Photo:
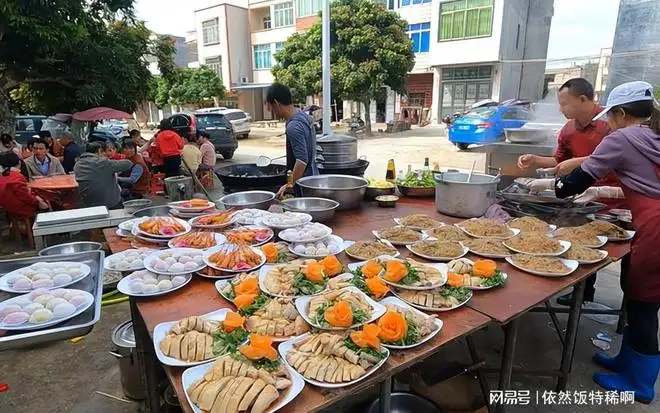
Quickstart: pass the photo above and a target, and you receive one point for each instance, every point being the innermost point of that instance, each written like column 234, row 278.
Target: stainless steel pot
column 248, row 199
column 71, row 248
column 456, row 197
column 123, row 342
column 345, row 189
column 155, row 211
column 338, row 150
column 320, row 209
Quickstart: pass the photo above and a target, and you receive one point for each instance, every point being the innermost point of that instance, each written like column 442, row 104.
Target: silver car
column 240, row 120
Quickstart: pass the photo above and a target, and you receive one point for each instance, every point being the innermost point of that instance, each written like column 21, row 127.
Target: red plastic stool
column 157, row 183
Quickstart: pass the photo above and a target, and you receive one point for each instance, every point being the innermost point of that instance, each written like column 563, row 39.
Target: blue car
column 486, row 124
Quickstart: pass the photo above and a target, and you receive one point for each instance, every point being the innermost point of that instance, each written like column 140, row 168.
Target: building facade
column 636, row 46
column 465, row 50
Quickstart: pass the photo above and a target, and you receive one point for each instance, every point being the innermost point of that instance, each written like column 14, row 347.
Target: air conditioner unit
column 244, row 79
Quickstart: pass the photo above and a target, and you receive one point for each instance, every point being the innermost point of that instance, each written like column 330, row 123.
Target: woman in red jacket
column 15, row 196
column 169, row 146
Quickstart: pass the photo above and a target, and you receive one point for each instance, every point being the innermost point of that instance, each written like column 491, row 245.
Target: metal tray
column 517, row 193
column 77, row 326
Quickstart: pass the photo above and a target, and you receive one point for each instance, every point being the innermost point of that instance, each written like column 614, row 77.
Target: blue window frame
column 420, row 34
column 411, row 2
column 262, row 56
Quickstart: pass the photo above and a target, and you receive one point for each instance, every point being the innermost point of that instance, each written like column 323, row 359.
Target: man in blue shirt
column 71, row 151
column 300, row 132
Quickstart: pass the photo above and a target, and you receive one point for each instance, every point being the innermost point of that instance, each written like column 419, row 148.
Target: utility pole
column 325, row 63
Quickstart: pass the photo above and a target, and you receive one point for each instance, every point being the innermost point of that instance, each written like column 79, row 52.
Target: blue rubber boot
column 611, row 363
column 638, row 373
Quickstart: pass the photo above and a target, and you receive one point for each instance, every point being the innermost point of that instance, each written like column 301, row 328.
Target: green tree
column 369, row 50
column 193, row 86
column 68, row 55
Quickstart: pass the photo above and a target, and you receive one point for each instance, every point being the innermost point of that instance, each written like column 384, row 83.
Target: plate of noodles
column 544, row 266
column 447, row 233
column 487, row 228
column 418, row 221
column 531, row 224
column 367, row 250
column 487, row 247
column 585, row 255
column 535, row 243
column 438, row 250
column 399, row 235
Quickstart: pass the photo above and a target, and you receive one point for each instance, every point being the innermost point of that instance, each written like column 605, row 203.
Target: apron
column 643, row 281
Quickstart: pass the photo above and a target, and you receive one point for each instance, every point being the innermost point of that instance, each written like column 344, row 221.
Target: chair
column 19, row 225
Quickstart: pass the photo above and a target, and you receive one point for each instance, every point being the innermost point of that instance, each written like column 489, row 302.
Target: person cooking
column 632, row 152
column 577, row 139
column 300, row 133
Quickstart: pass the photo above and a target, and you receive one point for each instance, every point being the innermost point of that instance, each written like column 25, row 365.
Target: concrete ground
column 65, row 376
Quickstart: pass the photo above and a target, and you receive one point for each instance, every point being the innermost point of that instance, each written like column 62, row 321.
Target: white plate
column 602, row 240
column 552, row 227
column 219, row 240
column 123, row 234
column 4, row 286
column 127, row 226
column 603, row 255
column 256, row 243
column 179, row 206
column 285, row 234
column 514, row 232
column 398, row 222
column 302, row 304
column 400, row 303
column 571, row 264
column 194, row 224
column 137, row 234
column 428, row 257
column 148, row 262
column 288, row 345
column 332, row 238
column 485, row 255
column 219, row 285
column 223, row 275
column 123, row 288
column 29, row 326
column 213, row 250
column 389, row 244
column 439, row 266
column 631, row 234
column 263, row 273
column 243, row 220
column 505, row 276
column 192, row 374
column 421, row 307
column 402, row 244
column 305, row 218
column 161, row 330
column 138, row 265
column 186, row 227
column 565, row 246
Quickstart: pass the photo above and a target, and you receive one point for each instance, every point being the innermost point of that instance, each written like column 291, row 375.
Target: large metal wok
column 249, row 175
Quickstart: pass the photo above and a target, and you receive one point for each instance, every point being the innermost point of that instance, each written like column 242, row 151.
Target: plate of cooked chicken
column 403, row 273
column 445, row 298
column 402, row 326
column 232, row 384
column 339, row 309
column 335, row 359
column 198, row 339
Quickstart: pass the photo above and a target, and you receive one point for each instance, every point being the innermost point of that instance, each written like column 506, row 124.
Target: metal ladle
column 263, row 161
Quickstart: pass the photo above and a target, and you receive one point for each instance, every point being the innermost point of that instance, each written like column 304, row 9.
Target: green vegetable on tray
column 493, row 281
column 418, row 179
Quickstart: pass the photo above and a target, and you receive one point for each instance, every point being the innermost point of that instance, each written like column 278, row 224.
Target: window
column 278, row 46
column 464, row 86
column 214, row 63
column 391, row 4
column 416, row 99
column 420, row 34
column 210, row 32
column 212, row 120
column 409, row 2
column 464, row 19
column 267, row 22
column 262, row 56
column 235, row 115
column 308, row 7
column 283, row 14
column 517, row 114
column 25, row 125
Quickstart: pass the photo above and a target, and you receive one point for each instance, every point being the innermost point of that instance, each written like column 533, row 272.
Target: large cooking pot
column 345, row 189
column 356, row 168
column 123, row 343
column 338, row 150
column 456, row 197
column 249, row 175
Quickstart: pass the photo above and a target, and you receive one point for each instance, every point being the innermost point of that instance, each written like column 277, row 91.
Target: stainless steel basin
column 248, row 199
column 320, row 209
column 346, row 189
column 155, row 211
column 71, row 248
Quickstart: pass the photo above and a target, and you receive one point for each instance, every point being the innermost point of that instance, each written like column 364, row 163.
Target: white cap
column 636, row 91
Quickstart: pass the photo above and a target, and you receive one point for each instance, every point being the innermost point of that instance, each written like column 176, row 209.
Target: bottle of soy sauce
column 390, row 175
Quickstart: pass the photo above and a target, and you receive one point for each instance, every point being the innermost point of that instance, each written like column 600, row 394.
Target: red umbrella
column 101, row 113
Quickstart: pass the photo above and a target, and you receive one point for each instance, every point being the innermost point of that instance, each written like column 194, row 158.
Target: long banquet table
column 504, row 306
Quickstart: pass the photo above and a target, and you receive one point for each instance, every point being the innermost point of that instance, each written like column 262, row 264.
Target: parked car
column 216, row 125
column 240, row 120
column 486, row 124
column 27, row 126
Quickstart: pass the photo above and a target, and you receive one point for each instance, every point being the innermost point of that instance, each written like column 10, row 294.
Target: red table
column 58, row 189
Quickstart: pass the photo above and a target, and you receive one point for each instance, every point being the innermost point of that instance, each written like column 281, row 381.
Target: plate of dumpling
column 145, row 283
column 332, row 245
column 197, row 339
column 43, row 308
column 46, row 275
column 129, row 260
column 175, row 261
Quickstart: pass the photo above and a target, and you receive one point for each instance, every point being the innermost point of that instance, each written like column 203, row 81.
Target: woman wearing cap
column 632, row 151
